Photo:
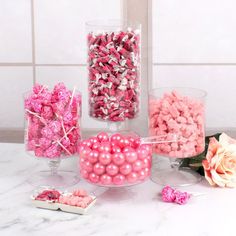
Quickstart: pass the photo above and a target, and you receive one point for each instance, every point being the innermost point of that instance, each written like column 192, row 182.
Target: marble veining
column 130, row 211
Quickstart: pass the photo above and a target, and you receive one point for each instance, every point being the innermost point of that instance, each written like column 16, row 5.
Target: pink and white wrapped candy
column 181, row 115
column 52, row 118
column 114, row 67
column 114, row 160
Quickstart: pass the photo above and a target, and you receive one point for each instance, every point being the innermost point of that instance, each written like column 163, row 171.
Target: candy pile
column 179, row 115
column 171, row 195
column 48, row 195
column 113, row 64
column 52, row 121
column 78, row 198
column 115, row 160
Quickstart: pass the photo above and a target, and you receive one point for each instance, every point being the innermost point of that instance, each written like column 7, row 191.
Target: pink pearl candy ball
column 116, row 160
column 125, row 169
column 106, row 179
column 118, row 179
column 112, row 169
column 99, row 169
column 105, row 158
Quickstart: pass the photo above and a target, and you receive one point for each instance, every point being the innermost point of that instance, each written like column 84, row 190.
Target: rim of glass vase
column 202, row 93
column 111, row 23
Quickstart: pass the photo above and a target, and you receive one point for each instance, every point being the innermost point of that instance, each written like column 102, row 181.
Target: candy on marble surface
column 52, row 119
column 180, row 115
column 129, row 165
column 114, row 68
column 172, row 195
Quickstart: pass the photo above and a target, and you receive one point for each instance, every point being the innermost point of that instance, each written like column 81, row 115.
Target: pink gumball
column 147, row 147
column 127, row 149
column 125, row 169
column 118, row 179
column 96, row 146
column 112, row 169
column 84, row 173
column 142, row 153
column 93, row 140
column 132, row 177
column 104, row 158
column 115, row 138
column 118, row 158
column 147, row 171
column 131, row 156
column 137, row 165
column 124, row 142
column 93, row 156
column 146, row 163
column 98, row 169
column 103, row 137
column 106, row 179
column 86, row 143
column 87, row 166
column 85, row 152
column 135, row 142
column 115, row 149
column 142, row 175
column 104, row 147
column 93, row 178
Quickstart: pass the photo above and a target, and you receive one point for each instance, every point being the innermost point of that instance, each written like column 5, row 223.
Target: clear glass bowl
column 179, row 111
column 52, row 132
column 115, row 160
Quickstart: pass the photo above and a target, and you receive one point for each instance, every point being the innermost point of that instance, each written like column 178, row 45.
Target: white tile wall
column 199, row 31
column 60, row 27
column 218, row 81
column 15, row 31
column 71, row 76
column 14, row 81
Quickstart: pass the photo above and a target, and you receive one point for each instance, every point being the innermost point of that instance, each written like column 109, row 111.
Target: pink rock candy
column 180, row 115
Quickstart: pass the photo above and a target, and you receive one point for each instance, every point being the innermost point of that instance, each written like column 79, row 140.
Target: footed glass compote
column 179, row 111
column 52, row 132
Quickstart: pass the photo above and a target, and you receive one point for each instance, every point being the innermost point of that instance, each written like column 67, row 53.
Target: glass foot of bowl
column 60, row 179
column 176, row 177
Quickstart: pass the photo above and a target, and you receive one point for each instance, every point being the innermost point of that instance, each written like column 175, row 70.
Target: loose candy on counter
column 128, row 163
column 52, row 118
column 179, row 115
column 114, row 67
column 172, row 195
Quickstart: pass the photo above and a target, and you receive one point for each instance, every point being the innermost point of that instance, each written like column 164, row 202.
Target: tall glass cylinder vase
column 114, row 71
column 180, row 112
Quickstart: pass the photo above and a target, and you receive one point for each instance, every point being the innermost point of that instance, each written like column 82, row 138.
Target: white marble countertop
column 126, row 211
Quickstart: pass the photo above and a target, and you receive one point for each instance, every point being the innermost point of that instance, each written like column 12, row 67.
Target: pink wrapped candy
column 114, row 67
column 129, row 163
column 52, row 119
column 183, row 115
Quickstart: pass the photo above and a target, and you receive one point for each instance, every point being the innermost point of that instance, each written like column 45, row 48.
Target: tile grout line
column 194, row 64
column 33, row 41
column 2, row 64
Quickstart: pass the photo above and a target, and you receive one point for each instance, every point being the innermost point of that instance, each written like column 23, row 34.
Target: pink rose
column 220, row 162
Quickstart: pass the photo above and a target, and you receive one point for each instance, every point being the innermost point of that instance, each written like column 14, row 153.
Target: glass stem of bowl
column 54, row 164
column 175, row 163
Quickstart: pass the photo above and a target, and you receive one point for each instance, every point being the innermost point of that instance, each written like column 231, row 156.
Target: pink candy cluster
column 113, row 64
column 115, row 160
column 78, row 198
column 52, row 121
column 171, row 195
column 180, row 115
